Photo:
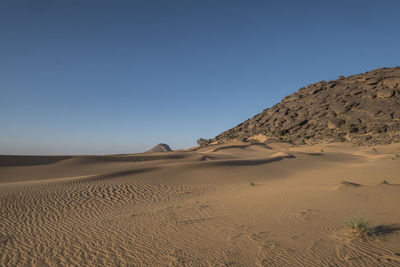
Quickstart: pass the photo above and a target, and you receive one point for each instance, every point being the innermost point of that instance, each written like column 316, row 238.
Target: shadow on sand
column 386, row 229
column 241, row 146
column 17, row 161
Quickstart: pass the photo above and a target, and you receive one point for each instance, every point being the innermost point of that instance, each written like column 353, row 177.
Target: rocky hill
column 362, row 109
column 160, row 148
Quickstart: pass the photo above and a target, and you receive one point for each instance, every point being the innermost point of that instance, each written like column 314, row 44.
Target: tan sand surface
column 235, row 204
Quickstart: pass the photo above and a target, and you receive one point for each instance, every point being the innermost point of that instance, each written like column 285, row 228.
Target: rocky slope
column 160, row 148
column 362, row 109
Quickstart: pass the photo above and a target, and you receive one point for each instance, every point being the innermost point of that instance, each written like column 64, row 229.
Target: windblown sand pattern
column 197, row 207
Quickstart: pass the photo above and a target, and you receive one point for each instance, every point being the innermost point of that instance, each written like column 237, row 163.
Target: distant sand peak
column 160, row 148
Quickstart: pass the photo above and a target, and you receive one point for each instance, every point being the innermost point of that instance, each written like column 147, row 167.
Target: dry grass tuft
column 360, row 226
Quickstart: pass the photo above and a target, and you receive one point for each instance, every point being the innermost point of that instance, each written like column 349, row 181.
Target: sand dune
column 235, row 204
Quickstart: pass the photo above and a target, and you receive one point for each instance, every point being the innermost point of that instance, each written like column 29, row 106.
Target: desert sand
column 233, row 204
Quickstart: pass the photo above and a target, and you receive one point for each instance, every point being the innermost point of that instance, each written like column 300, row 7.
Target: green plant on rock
column 230, row 135
column 280, row 132
column 351, row 129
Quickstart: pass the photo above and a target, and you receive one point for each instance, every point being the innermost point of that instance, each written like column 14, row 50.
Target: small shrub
column 203, row 141
column 376, row 131
column 279, row 132
column 351, row 129
column 359, row 226
column 230, row 135
column 252, row 184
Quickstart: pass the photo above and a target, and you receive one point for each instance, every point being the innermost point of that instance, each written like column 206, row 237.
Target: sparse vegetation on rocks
column 203, row 141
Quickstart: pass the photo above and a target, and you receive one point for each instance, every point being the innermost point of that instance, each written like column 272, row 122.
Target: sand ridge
column 236, row 204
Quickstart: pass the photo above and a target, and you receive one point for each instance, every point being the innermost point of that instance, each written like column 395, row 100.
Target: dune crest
column 235, row 204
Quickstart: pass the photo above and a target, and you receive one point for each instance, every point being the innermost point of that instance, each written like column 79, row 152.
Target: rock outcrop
column 362, row 109
column 160, row 148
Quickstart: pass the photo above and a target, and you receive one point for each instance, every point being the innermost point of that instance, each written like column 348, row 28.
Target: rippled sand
column 225, row 205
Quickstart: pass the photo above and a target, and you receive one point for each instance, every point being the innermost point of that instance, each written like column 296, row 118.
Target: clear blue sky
column 93, row 77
